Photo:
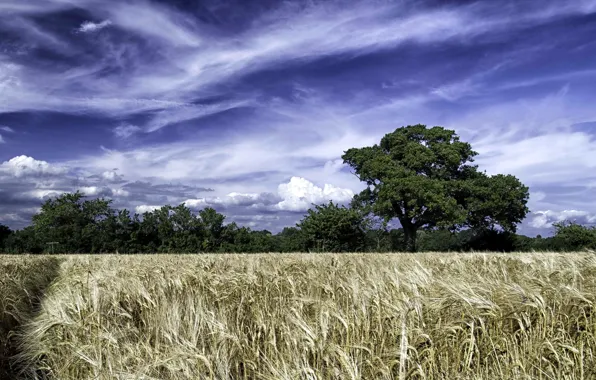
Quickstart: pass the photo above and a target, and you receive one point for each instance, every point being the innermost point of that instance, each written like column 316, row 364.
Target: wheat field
column 299, row 316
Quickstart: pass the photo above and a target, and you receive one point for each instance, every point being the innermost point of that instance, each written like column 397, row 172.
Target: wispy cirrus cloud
column 305, row 35
column 90, row 26
column 156, row 21
column 7, row 129
column 124, row 131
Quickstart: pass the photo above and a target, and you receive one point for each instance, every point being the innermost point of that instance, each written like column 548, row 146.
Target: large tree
column 424, row 178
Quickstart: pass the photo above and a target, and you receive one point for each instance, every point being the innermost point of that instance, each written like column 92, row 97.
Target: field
column 301, row 316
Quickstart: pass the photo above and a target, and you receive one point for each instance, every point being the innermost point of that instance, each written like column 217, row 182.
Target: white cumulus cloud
column 545, row 219
column 111, row 176
column 93, row 191
column 196, row 203
column 103, row 191
column 249, row 199
column 146, row 208
column 22, row 166
column 40, row 194
column 299, row 194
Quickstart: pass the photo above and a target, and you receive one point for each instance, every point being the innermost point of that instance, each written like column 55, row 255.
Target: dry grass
column 271, row 316
column 22, row 283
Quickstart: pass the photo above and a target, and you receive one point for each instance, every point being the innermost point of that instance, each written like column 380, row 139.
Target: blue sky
column 247, row 106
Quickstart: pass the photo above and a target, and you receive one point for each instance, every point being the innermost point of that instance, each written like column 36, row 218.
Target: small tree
column 423, row 177
column 331, row 228
column 571, row 236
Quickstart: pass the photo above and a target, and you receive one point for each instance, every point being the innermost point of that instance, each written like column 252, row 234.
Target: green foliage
column 213, row 223
column 91, row 226
column 491, row 202
column 331, row 228
column 574, row 237
column 77, row 225
column 23, row 241
column 243, row 240
column 438, row 241
column 423, row 177
column 526, row 244
column 5, row 232
column 172, row 229
column 291, row 239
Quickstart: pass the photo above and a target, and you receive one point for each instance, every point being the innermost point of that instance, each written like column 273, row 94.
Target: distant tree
column 243, row 239
column 146, row 234
column 235, row 239
column 542, row 244
column 291, row 239
column 168, row 229
column 23, row 241
column 397, row 239
column 179, row 229
column 122, row 228
column 423, row 178
column 490, row 240
column 189, row 230
column 523, row 243
column 437, row 241
column 332, row 228
column 262, row 241
column 213, row 223
column 571, row 236
column 377, row 240
column 78, row 225
column 92, row 226
column 5, row 232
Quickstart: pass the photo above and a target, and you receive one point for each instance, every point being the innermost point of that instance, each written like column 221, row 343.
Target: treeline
column 422, row 177
column 72, row 224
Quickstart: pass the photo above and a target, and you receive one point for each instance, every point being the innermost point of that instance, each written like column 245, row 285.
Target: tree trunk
column 409, row 236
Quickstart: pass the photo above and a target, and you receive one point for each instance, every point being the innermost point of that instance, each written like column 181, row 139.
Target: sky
column 247, row 106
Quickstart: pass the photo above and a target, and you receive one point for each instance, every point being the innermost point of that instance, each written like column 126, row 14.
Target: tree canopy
column 424, row 178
